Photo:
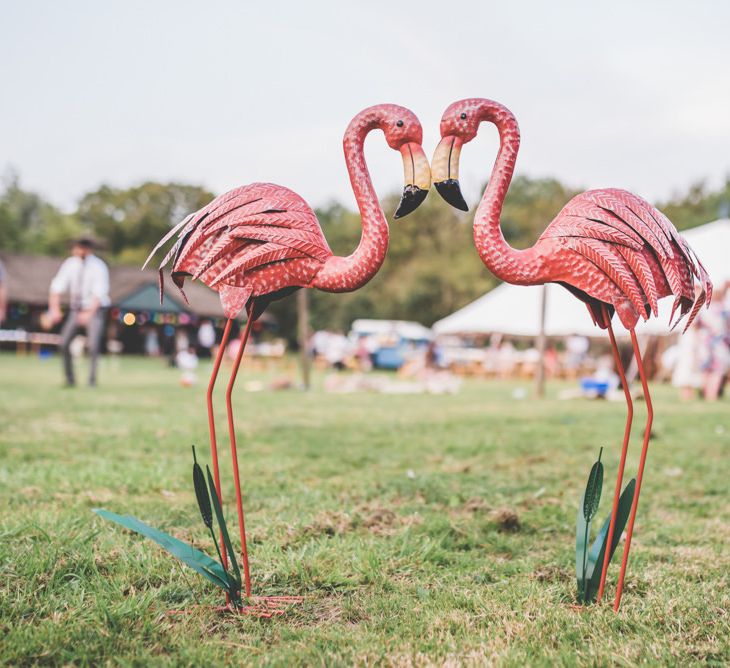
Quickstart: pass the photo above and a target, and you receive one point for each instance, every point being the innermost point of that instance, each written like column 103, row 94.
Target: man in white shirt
column 86, row 279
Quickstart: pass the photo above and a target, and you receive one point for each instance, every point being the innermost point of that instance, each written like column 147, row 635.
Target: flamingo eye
column 463, row 116
column 399, row 124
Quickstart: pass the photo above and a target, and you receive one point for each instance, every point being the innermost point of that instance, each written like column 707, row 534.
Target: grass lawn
column 382, row 511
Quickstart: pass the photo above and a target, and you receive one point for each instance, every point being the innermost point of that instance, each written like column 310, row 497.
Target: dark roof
column 29, row 277
column 147, row 298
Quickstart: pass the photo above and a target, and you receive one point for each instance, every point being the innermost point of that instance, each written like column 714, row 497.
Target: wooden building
column 135, row 310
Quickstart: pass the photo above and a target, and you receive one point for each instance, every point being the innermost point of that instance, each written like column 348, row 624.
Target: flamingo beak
column 417, row 177
column 446, row 171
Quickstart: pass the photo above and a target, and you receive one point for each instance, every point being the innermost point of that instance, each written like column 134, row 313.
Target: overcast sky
column 632, row 94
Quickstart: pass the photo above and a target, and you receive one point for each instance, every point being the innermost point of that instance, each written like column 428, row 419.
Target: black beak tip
column 411, row 200
column 450, row 191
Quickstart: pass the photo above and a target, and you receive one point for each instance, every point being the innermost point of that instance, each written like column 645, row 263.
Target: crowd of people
column 502, row 357
column 361, row 351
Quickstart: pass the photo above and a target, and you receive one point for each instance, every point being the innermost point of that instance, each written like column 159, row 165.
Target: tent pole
column 540, row 371
column 303, row 336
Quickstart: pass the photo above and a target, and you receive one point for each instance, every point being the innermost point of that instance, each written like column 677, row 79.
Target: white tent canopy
column 515, row 310
column 711, row 242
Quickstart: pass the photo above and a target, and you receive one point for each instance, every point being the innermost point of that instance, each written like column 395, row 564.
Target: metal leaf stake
column 591, row 500
column 206, row 512
column 197, row 560
column 235, row 595
column 598, row 550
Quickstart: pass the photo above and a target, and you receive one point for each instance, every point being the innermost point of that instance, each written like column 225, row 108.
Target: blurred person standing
column 362, row 354
column 714, row 327
column 206, row 339
column 684, row 357
column 151, row 341
column 85, row 277
column 576, row 353
column 337, row 350
column 3, row 293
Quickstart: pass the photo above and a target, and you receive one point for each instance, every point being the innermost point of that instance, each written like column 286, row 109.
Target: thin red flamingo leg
column 234, row 452
column 640, row 473
column 624, row 449
column 211, row 420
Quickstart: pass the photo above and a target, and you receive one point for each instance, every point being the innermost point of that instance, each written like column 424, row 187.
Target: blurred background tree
column 698, row 205
column 530, row 205
column 131, row 221
column 29, row 224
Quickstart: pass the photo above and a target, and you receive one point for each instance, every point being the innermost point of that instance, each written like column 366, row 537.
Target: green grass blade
column 197, row 560
column 581, row 547
column 598, row 549
column 224, row 529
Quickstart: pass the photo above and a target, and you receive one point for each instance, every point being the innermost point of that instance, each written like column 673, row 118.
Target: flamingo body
column 611, row 247
column 262, row 241
column 256, row 242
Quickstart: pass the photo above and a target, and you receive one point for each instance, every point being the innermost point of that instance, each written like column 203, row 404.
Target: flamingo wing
column 241, row 231
column 637, row 247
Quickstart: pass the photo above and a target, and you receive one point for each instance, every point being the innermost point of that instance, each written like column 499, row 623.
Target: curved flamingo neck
column 343, row 274
column 522, row 267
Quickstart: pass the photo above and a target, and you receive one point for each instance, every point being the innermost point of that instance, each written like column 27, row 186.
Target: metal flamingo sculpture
column 261, row 242
column 611, row 249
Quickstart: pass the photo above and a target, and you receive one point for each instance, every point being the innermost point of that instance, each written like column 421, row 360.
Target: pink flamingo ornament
column 611, row 249
column 261, row 242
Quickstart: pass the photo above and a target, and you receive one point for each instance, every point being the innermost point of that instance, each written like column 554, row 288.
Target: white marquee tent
column 515, row 310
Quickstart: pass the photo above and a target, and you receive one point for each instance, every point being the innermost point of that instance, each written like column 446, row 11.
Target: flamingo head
column 404, row 133
column 459, row 125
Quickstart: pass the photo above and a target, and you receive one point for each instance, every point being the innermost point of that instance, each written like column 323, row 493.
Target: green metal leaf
column 224, row 529
column 598, row 549
column 197, row 560
column 586, row 511
column 201, row 493
column 592, row 496
column 203, row 496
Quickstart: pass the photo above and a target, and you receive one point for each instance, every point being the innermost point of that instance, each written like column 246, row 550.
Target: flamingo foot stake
column 263, row 607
